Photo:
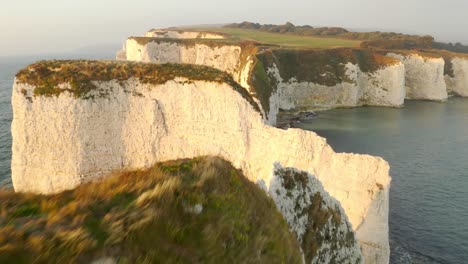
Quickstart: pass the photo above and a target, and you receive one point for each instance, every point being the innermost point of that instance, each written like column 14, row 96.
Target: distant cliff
column 285, row 79
column 297, row 79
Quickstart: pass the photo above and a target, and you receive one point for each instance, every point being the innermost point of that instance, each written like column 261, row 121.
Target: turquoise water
column 426, row 144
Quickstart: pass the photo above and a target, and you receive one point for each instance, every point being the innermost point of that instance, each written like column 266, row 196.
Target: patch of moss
column 146, row 216
column 82, row 75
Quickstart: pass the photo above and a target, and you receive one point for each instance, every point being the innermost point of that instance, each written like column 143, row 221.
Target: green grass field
column 284, row 39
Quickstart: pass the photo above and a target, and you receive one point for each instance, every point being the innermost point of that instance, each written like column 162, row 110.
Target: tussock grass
column 150, row 216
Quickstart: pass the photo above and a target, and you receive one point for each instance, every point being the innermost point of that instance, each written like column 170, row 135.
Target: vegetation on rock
column 326, row 231
column 82, row 75
column 327, row 67
column 201, row 210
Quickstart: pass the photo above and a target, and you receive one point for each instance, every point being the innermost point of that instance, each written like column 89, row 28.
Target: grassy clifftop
column 47, row 76
column 200, row 210
column 290, row 41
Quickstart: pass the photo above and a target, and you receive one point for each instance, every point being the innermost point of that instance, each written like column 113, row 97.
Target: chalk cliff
column 424, row 76
column 363, row 78
column 306, row 206
column 114, row 121
column 457, row 77
column 276, row 78
column 309, row 80
column 223, row 56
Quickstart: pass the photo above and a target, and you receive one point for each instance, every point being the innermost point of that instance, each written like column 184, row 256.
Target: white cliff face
column 182, row 34
column 424, row 77
column 225, row 58
column 385, row 87
column 314, row 216
column 306, row 95
column 138, row 124
column 458, row 84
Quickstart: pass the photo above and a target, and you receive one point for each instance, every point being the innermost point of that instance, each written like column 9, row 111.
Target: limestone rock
column 424, row 77
column 458, row 84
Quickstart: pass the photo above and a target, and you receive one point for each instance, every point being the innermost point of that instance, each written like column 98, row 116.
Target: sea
column 426, row 144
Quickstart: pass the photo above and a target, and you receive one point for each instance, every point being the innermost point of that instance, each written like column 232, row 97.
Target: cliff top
column 194, row 41
column 285, row 40
column 234, row 35
column 47, row 76
column 203, row 208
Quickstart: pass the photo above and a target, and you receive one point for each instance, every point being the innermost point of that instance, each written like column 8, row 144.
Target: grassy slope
column 148, row 217
column 284, row 39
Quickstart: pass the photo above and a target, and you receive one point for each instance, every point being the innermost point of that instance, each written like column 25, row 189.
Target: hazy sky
column 54, row 26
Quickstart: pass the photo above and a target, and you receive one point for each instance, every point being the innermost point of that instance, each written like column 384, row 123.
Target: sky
column 29, row 27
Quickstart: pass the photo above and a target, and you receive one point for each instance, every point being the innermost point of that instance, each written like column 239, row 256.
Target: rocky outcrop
column 424, row 76
column 385, row 87
column 457, row 77
column 308, row 80
column 133, row 123
column 317, row 219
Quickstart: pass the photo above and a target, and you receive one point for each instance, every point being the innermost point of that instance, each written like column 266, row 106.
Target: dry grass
column 148, row 216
